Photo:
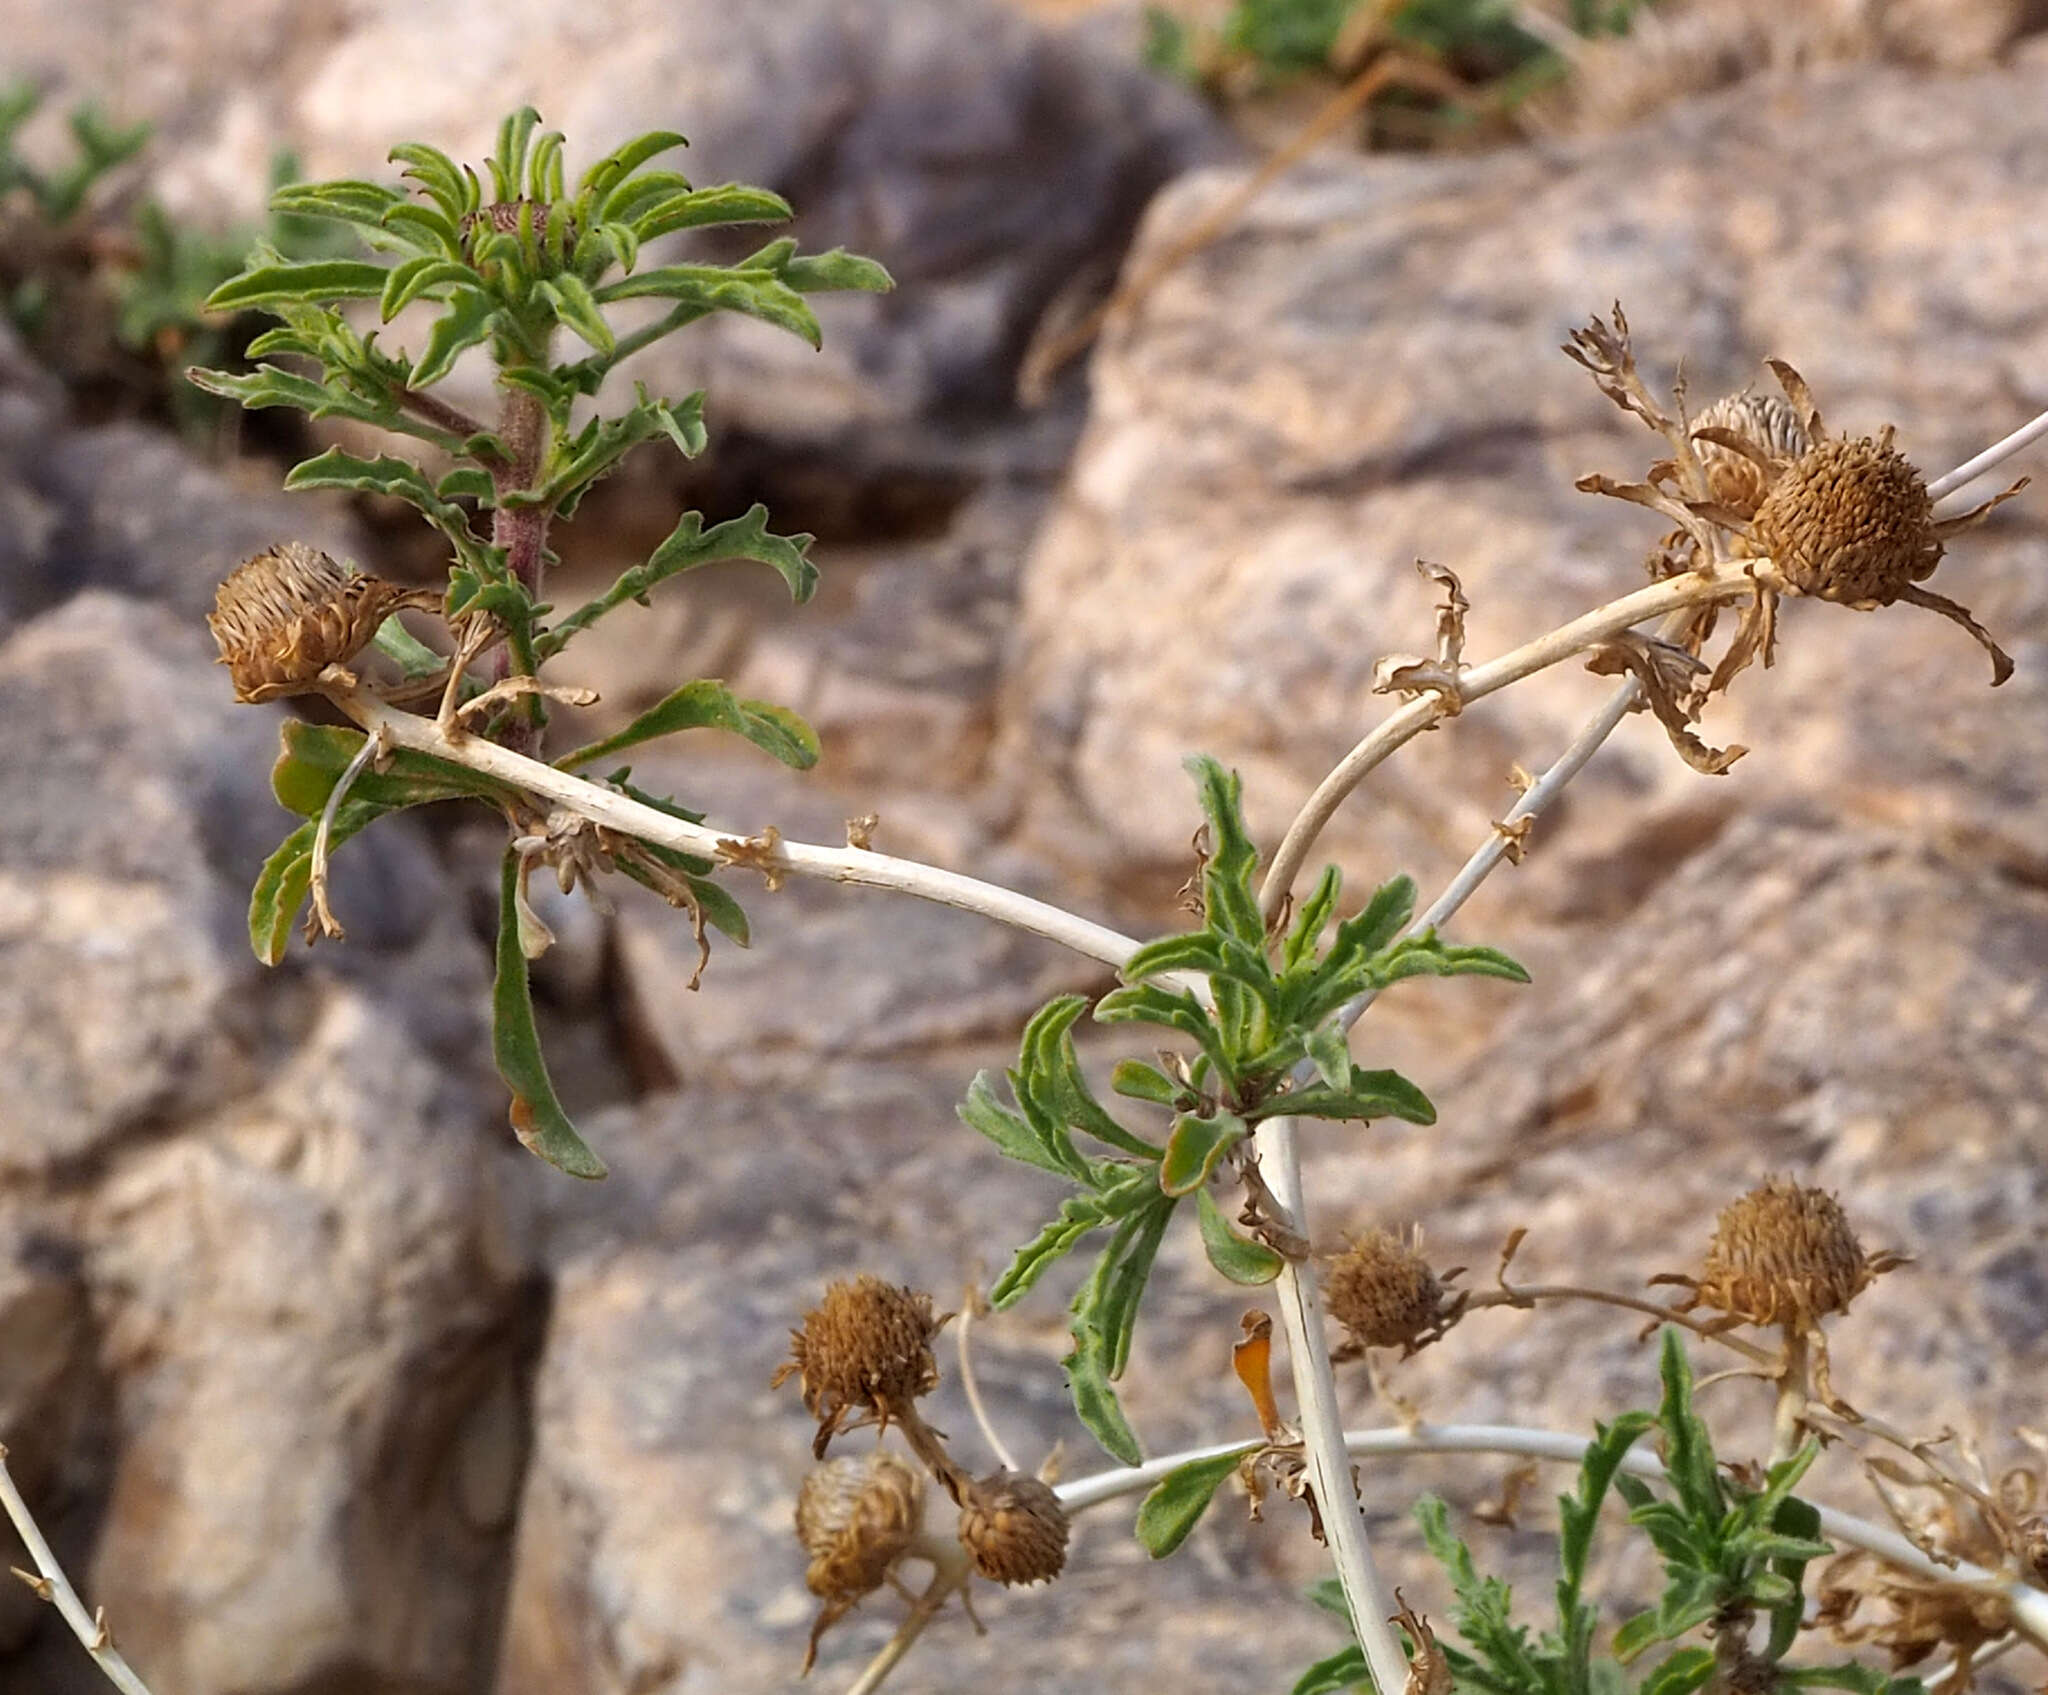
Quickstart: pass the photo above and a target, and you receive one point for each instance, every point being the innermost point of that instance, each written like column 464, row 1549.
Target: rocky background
column 324, row 1388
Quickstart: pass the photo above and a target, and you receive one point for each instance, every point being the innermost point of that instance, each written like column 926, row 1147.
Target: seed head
column 865, row 1346
column 1783, row 1254
column 284, row 616
column 1014, row 1528
column 1385, row 1295
column 856, row 1517
column 1851, row 522
column 1768, row 424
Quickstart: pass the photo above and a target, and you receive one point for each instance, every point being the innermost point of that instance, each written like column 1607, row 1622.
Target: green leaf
column 622, row 162
column 1859, row 1680
column 1180, row 1498
column 537, row 1116
column 1105, row 1312
column 1311, row 919
column 287, row 878
column 346, row 200
column 467, row 482
column 1014, row 1136
column 1050, row 1085
column 312, row 757
column 688, row 546
column 404, row 283
column 1579, row 1513
column 471, row 316
column 1799, row 1519
column 1680, row 1673
column 1483, row 1611
column 1193, row 1149
column 1196, row 950
column 1141, row 1082
column 1374, row 927
column 426, row 227
column 837, row 269
column 709, row 704
column 1342, row 1671
column 1239, row 1258
column 753, row 294
column 730, row 203
column 508, row 160
column 1232, row 905
column 574, row 305
column 1078, row 1215
column 414, row 657
column 1331, row 1055
column 1371, row 1094
column 314, row 280
column 435, row 172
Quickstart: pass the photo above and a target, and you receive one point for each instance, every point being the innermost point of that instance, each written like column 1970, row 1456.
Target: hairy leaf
column 1195, row 1147
column 1237, row 1257
column 314, row 280
column 1178, row 1500
column 708, row 704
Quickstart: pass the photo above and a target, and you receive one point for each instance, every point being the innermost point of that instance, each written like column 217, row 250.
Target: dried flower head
column 1386, row 1295
column 857, row 1518
column 1850, row 521
column 1014, row 1528
column 867, row 1346
column 1767, row 425
column 284, row 616
column 1784, row 1254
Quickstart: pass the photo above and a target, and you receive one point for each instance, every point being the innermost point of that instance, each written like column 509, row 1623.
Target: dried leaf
column 756, row 853
column 1668, row 677
column 1429, row 1672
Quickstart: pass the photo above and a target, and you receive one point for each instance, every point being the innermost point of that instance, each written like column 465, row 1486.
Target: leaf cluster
column 1733, row 1555
column 1258, row 1019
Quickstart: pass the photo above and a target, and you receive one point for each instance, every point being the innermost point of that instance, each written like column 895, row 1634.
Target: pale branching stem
column 1788, row 1417
column 323, row 915
column 2029, row 1605
column 1993, row 456
column 842, row 865
column 927, row 1607
column 53, row 1586
column 1370, row 1601
column 969, row 1311
column 1520, row 1295
column 1695, row 588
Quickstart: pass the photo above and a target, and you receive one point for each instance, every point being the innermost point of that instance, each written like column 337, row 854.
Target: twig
column 2029, row 1605
column 1994, row 455
column 970, row 1310
column 1721, row 582
column 322, row 919
column 843, row 865
column 926, row 1608
column 1366, row 1594
column 55, row 1587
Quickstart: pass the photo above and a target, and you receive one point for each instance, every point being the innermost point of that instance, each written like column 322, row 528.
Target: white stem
column 844, row 865
column 2029, row 1605
column 1694, row 588
column 1322, row 1425
column 89, row 1628
column 1996, row 454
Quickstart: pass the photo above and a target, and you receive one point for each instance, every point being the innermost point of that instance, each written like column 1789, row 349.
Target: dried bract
column 866, row 1347
column 1742, row 437
column 1385, row 1294
column 1014, row 1528
column 284, row 616
column 857, row 1518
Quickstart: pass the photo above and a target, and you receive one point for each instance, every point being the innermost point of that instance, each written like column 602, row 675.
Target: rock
column 987, row 181
column 1358, row 375
column 126, row 507
column 313, row 1314
column 655, row 1539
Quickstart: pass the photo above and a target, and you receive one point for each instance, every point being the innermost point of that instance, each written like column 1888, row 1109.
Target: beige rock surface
column 1359, row 375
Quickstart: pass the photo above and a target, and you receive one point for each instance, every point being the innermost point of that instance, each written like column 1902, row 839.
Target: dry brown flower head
column 284, row 616
column 1386, row 1295
column 857, row 1518
column 1786, row 1254
column 866, row 1347
column 1846, row 520
column 1014, row 1528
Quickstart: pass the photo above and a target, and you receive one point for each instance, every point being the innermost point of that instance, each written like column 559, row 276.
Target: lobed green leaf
column 709, row 704
column 537, row 1116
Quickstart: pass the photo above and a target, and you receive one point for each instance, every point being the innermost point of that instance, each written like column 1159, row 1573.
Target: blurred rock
column 988, row 161
column 1359, row 374
column 311, row 1308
